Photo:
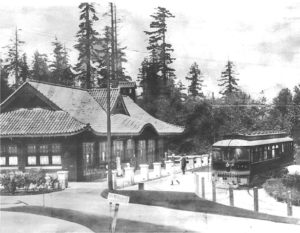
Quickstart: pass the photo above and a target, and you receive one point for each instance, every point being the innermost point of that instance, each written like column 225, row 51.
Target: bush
column 33, row 180
column 277, row 189
column 291, row 180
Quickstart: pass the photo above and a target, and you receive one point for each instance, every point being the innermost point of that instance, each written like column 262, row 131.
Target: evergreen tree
column 24, row 72
column 283, row 114
column 87, row 38
column 14, row 59
column 40, row 70
column 60, row 67
column 5, row 89
column 195, row 78
column 160, row 50
column 228, row 80
column 104, row 59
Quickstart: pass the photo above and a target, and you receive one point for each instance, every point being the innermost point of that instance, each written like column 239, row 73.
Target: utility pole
column 116, row 44
column 16, row 57
column 111, row 76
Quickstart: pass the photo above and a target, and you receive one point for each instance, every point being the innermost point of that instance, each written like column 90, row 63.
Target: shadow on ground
column 96, row 223
column 191, row 202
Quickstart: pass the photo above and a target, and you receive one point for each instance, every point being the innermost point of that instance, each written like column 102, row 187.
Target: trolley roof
column 248, row 143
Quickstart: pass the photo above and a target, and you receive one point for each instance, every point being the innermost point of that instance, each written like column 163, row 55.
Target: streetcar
column 246, row 159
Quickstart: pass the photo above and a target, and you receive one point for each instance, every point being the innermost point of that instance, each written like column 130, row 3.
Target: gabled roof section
column 75, row 101
column 39, row 122
column 100, row 95
column 17, row 93
column 163, row 128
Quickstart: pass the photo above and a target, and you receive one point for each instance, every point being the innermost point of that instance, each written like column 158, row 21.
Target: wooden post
column 197, row 184
column 114, row 221
column 141, row 186
column 255, row 196
column 289, row 204
column 214, row 191
column 203, row 187
column 231, row 196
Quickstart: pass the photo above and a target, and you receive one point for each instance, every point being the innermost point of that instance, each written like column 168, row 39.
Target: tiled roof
column 39, row 122
column 123, row 124
column 124, row 84
column 161, row 127
column 89, row 107
column 77, row 102
column 100, row 95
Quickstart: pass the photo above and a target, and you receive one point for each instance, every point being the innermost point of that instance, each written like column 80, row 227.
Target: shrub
column 291, row 180
column 34, row 178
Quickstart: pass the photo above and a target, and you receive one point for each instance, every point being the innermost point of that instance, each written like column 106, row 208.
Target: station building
column 53, row 127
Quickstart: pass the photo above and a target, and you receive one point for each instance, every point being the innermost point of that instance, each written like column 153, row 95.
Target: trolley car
column 244, row 159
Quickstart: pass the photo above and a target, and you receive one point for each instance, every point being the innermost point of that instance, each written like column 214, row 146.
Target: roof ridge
column 55, row 84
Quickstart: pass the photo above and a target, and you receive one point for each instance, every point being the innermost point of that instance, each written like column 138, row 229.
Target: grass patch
column 191, row 202
column 97, row 223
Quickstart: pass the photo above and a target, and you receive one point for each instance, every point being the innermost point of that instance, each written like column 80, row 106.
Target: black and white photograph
column 151, row 116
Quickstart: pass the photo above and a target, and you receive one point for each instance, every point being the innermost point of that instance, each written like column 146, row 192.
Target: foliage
column 160, row 50
column 60, row 67
column 24, row 72
column 87, row 39
column 13, row 67
column 228, row 80
column 40, row 70
column 34, row 179
column 279, row 187
column 195, row 78
column 5, row 89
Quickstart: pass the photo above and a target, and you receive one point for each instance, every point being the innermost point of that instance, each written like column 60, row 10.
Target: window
column 56, row 160
column 88, row 153
column 44, row 160
column 31, row 160
column 103, row 152
column 273, row 152
column 161, row 148
column 129, row 149
column 56, row 148
column 12, row 149
column 31, row 149
column 118, row 149
column 217, row 155
column 13, row 160
column 255, row 155
column 2, row 161
column 43, row 149
column 141, row 151
column 151, row 151
column 241, row 154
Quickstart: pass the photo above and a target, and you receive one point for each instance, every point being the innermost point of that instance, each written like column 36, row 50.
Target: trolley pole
column 109, row 175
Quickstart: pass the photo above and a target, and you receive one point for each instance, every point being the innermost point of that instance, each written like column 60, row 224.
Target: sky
column 262, row 37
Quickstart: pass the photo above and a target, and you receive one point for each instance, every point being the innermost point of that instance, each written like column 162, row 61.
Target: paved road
column 82, row 203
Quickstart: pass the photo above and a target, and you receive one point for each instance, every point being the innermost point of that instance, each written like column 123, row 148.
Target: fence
column 252, row 199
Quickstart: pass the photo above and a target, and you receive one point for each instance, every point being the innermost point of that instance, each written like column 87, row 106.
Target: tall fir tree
column 24, row 72
column 14, row 58
column 196, row 81
column 87, row 38
column 160, row 50
column 228, row 80
column 105, row 62
column 5, row 88
column 60, row 67
column 40, row 70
